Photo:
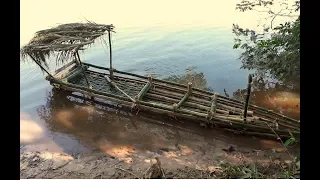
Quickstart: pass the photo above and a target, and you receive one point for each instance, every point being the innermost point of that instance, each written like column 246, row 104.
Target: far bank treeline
column 276, row 50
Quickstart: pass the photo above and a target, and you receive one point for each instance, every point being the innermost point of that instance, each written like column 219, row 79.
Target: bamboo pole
column 213, row 107
column 67, row 72
column 75, row 73
column 186, row 96
column 189, row 104
column 110, row 51
column 113, row 84
column 83, row 70
column 247, row 97
column 63, row 68
column 41, row 67
column 143, row 91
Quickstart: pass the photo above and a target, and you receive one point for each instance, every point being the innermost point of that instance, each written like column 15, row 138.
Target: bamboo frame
column 219, row 119
column 225, row 104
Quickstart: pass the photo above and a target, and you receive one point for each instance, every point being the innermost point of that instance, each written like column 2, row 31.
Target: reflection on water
column 198, row 80
column 30, row 131
column 117, row 132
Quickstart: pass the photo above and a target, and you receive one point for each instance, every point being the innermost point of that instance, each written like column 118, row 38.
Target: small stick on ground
column 127, row 171
column 280, row 141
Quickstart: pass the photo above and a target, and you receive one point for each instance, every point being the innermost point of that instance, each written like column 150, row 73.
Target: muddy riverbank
column 175, row 163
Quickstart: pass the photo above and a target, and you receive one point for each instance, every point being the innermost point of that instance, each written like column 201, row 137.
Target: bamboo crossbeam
column 143, row 91
column 83, row 70
column 197, row 100
column 213, row 107
column 75, row 73
column 186, row 96
column 63, row 68
column 67, row 72
column 188, row 104
column 113, row 84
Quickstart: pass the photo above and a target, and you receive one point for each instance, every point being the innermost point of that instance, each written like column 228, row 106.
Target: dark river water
column 56, row 121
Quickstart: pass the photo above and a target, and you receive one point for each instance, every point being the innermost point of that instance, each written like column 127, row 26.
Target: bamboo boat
column 145, row 93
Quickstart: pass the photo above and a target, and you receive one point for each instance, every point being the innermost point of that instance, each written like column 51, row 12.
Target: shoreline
column 47, row 165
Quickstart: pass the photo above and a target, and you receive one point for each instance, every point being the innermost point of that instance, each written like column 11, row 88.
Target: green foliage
column 290, row 141
column 276, row 51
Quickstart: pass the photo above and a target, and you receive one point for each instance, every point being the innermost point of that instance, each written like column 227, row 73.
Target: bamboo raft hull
column 140, row 93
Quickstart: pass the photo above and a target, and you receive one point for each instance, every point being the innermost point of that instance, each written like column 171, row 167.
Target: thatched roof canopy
column 63, row 39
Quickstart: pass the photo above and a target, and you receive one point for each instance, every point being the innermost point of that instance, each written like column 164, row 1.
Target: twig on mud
column 145, row 172
column 127, row 171
column 280, row 140
column 115, row 164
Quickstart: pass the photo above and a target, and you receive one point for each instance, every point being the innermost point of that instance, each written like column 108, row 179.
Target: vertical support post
column 213, row 107
column 189, row 88
column 42, row 68
column 150, row 80
column 110, row 49
column 247, row 98
column 78, row 57
column 184, row 98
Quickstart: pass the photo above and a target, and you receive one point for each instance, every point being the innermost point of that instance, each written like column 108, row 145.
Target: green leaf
column 236, row 46
column 290, row 133
column 289, row 141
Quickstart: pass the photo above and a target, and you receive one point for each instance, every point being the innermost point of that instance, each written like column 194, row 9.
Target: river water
column 202, row 53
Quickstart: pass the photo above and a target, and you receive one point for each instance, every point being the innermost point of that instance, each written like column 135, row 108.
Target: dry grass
column 64, row 40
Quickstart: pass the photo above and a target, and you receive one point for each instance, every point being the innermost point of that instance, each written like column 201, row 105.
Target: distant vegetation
column 276, row 50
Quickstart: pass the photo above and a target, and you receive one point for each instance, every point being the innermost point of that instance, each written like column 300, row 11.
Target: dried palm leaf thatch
column 63, row 39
